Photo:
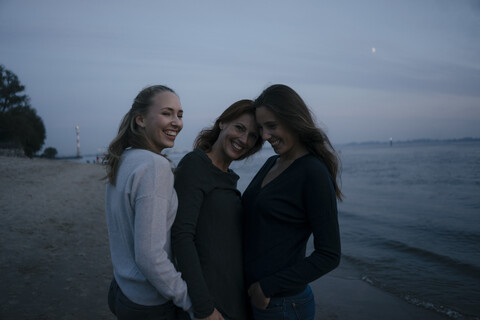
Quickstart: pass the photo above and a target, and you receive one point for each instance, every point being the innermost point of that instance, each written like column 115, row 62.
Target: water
column 410, row 222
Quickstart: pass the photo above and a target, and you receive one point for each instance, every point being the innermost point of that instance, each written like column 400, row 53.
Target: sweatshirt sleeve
column 319, row 201
column 151, row 234
column 191, row 186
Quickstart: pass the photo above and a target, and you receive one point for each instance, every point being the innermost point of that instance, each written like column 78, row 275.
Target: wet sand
column 55, row 261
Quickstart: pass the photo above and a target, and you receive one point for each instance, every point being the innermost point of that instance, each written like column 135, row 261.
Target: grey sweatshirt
column 140, row 211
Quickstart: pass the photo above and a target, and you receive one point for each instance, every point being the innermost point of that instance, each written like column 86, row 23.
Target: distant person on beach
column 141, row 204
column 207, row 236
column 292, row 196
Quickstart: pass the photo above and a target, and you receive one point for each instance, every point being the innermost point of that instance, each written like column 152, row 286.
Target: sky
column 369, row 70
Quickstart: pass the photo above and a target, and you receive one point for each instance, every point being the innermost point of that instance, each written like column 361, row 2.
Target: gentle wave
column 465, row 268
column 450, row 313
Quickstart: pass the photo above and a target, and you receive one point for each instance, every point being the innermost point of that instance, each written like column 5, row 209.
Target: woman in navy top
column 207, row 236
column 293, row 196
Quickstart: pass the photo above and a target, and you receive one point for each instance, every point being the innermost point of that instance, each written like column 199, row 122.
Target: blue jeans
column 125, row 309
column 298, row 307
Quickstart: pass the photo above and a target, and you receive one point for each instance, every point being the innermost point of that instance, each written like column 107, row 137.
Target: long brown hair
column 129, row 134
column 292, row 112
column 207, row 137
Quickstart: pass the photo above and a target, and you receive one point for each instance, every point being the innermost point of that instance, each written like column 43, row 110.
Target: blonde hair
column 129, row 134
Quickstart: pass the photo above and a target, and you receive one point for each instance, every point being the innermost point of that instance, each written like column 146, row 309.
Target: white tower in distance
column 77, row 129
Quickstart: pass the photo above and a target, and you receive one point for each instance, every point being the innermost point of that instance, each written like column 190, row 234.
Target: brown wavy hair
column 292, row 112
column 207, row 137
column 129, row 135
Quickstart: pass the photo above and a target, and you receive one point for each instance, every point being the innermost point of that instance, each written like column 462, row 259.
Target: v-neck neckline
column 263, row 186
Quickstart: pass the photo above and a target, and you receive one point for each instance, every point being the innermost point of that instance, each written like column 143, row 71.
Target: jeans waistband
column 305, row 294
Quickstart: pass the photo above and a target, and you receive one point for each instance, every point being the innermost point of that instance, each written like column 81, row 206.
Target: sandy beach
column 55, row 261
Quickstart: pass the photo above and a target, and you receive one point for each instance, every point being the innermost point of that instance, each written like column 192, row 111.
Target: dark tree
column 49, row 153
column 19, row 123
column 11, row 91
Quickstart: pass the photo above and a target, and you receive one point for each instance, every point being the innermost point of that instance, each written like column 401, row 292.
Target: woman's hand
column 214, row 316
column 258, row 298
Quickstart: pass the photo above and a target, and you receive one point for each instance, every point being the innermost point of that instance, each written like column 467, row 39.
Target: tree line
column 20, row 126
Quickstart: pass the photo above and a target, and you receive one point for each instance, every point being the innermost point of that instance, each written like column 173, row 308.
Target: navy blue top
column 279, row 219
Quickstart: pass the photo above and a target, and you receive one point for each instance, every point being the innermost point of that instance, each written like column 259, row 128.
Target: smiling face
column 281, row 138
column 163, row 120
column 237, row 137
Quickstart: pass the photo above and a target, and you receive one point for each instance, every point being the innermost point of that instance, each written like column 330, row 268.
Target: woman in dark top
column 207, row 235
column 292, row 196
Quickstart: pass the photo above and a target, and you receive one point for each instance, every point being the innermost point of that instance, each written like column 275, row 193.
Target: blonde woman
column 141, row 205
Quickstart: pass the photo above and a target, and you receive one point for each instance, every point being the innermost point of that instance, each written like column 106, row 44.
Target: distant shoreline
column 414, row 141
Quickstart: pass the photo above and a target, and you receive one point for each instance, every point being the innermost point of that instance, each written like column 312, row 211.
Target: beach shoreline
column 55, row 261
column 340, row 296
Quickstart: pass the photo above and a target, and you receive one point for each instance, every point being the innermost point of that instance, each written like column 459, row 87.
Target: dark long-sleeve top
column 207, row 236
column 279, row 219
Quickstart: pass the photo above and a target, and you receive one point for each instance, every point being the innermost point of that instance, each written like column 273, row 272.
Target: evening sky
column 369, row 70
